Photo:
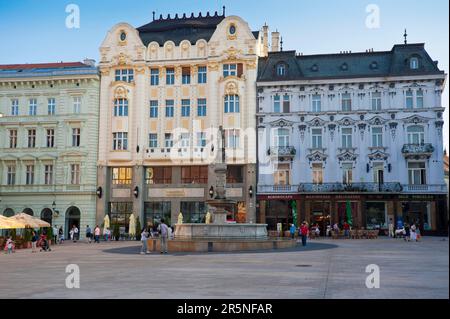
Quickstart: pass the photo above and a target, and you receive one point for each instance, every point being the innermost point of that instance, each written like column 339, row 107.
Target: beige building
column 166, row 88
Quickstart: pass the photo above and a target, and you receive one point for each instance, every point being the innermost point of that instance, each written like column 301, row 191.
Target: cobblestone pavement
column 325, row 269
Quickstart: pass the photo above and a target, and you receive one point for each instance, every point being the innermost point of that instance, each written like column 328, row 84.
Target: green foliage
column 27, row 235
column 49, row 232
column 116, row 231
column 138, row 229
column 13, row 234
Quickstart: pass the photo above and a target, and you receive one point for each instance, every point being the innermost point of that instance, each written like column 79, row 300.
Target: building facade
column 49, row 141
column 166, row 89
column 359, row 131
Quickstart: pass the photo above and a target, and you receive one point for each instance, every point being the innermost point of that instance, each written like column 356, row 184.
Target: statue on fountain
column 208, row 218
column 180, row 218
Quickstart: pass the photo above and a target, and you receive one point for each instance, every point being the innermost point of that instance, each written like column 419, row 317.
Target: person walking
column 9, row 245
column 346, row 227
column 413, row 235
column 163, row 232
column 97, row 234
column 144, row 237
column 407, row 232
column 55, row 234
column 61, row 235
column 292, row 231
column 391, row 229
column 72, row 233
column 34, row 239
column 304, row 232
column 88, row 234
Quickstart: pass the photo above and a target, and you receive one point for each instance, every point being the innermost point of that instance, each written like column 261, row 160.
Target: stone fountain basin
column 221, row 231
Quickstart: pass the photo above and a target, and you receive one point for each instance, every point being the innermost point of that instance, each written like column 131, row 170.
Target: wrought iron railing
column 282, row 151
column 417, row 148
column 353, row 187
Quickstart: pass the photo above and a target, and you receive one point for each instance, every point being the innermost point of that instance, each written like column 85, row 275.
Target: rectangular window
column 154, row 77
column 31, row 138
column 282, row 139
column 50, row 139
column 316, row 103
column 51, row 106
column 11, row 178
column 229, row 70
column 419, row 99
column 120, row 215
column 417, row 173
column 152, row 140
column 416, row 135
column 14, row 107
column 77, row 104
column 185, row 139
column 122, row 175
column 377, row 137
column 194, row 174
column 232, row 104
column 48, row 174
column 155, row 211
column 170, row 76
column 120, row 141
column 347, row 173
column 201, row 139
column 235, row 174
column 12, row 138
column 346, row 102
column 125, row 75
column 376, row 101
column 316, row 134
column 282, row 174
column 29, row 175
column 75, row 174
column 346, row 138
column 378, row 173
column 170, row 110
column 120, row 107
column 185, row 108
column 195, row 212
column 317, row 170
column 153, row 109
column 168, row 140
column 409, row 99
column 158, row 175
column 276, row 104
column 286, row 104
column 186, row 75
column 32, row 107
column 201, row 107
column 232, row 138
column 76, row 137
column 202, row 77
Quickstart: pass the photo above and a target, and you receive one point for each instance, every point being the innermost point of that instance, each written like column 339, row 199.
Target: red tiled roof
column 41, row 65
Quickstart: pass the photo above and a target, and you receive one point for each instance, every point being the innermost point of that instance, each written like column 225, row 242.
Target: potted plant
column 138, row 230
column 116, row 232
column 49, row 235
column 27, row 238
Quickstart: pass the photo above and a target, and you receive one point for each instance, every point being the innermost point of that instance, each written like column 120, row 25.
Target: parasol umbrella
column 132, row 227
column 106, row 222
column 7, row 223
column 29, row 221
column 348, row 209
column 294, row 212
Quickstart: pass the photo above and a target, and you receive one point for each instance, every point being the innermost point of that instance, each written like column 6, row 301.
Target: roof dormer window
column 344, row 67
column 281, row 69
column 315, row 68
column 414, row 63
column 374, row 65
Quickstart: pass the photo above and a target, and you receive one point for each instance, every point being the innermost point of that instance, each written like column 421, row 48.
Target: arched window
column 8, row 212
column 414, row 63
column 281, row 69
column 416, row 134
column 28, row 211
column 231, row 104
column 46, row 215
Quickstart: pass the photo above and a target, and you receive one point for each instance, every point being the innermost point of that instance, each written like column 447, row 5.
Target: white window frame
column 50, row 138
column 154, row 77
column 346, row 102
column 421, row 171
column 29, row 174
column 230, row 69
column 231, row 103
column 120, row 141
column 75, row 174
column 317, row 173
column 51, row 106
column 11, row 175
column 233, row 140
column 377, row 136
column 412, row 135
column 14, row 107
column 12, row 138
column 31, row 138
column 76, row 104
column 48, row 174
column 76, row 136
column 316, row 139
column 32, row 107
column 153, row 140
column 347, row 173
column 282, row 137
column 316, row 103
column 376, row 101
column 202, row 74
column 347, row 137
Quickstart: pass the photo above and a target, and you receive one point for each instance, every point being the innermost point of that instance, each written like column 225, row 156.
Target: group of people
column 303, row 232
column 407, row 232
column 163, row 231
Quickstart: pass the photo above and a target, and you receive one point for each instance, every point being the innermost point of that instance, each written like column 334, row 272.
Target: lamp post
column 99, row 192
column 211, row 192
column 55, row 211
column 250, row 191
column 136, row 192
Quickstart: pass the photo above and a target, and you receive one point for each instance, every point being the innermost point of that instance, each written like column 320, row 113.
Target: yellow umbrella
column 106, row 222
column 132, row 228
column 29, row 221
column 8, row 223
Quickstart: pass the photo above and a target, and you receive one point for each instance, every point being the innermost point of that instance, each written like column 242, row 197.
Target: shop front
column 278, row 209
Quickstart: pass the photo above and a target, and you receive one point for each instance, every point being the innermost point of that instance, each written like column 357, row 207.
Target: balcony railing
column 417, row 149
column 354, row 187
column 289, row 151
column 277, row 189
column 417, row 188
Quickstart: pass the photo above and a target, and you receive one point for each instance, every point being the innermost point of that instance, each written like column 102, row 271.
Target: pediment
column 317, row 156
column 317, row 122
column 377, row 120
column 346, row 121
column 415, row 119
column 347, row 156
column 281, row 123
column 378, row 156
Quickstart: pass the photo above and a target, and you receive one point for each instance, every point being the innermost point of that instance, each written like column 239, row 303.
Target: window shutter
column 240, row 69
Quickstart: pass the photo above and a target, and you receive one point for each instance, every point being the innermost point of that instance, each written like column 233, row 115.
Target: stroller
column 43, row 243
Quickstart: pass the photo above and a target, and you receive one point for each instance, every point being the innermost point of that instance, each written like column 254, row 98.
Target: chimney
column 275, row 41
column 265, row 40
column 90, row 62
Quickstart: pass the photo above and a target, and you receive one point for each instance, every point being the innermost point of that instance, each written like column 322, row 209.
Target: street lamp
column 99, row 192
column 55, row 211
column 250, row 191
column 211, row 192
column 136, row 192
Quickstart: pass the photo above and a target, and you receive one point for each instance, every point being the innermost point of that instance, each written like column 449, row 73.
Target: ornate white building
column 49, row 141
column 363, row 128
column 166, row 88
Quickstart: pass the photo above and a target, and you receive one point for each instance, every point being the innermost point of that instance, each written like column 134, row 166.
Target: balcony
column 277, row 189
column 417, row 188
column 354, row 187
column 417, row 151
column 282, row 151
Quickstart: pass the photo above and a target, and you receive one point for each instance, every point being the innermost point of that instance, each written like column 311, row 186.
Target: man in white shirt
column 164, row 232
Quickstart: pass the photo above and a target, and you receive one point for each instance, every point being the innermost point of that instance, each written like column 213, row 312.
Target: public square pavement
column 324, row 269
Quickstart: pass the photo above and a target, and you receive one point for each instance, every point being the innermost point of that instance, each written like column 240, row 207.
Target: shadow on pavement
column 312, row 246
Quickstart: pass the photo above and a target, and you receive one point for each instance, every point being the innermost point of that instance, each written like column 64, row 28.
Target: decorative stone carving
column 281, row 123
column 120, row 93
column 332, row 129
column 377, row 120
column 415, row 119
column 393, row 128
column 316, row 122
column 362, row 128
column 251, row 65
column 346, row 121
column 231, row 88
column 302, row 129
column 317, row 156
column 347, row 155
column 378, row 155
column 213, row 66
column 439, row 124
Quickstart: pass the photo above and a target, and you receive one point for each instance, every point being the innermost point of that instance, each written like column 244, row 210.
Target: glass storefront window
column 120, row 214
column 278, row 211
column 158, row 175
column 376, row 215
column 193, row 212
column 121, row 175
column 154, row 211
column 235, row 174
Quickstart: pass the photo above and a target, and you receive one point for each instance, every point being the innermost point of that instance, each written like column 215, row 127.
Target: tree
column 138, row 229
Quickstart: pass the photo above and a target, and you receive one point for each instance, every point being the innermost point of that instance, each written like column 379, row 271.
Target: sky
column 35, row 31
